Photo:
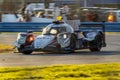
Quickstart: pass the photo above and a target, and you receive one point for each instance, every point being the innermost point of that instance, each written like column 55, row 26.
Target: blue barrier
column 109, row 27
column 23, row 27
column 112, row 27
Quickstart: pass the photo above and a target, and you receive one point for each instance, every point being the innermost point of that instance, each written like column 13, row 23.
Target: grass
column 106, row 71
column 5, row 48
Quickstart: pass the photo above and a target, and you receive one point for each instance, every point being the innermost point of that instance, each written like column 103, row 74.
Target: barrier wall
column 112, row 27
column 23, row 27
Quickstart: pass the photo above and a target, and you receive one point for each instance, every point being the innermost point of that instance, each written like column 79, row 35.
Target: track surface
column 111, row 53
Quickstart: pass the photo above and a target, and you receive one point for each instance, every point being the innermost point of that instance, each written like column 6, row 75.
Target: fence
column 23, row 27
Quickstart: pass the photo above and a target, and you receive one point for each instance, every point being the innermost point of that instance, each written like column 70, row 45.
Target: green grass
column 5, row 48
column 108, row 71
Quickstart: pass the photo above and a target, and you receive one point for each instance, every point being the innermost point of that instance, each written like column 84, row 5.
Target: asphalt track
column 111, row 53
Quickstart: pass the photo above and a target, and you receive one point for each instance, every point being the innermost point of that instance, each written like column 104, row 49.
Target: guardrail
column 23, row 27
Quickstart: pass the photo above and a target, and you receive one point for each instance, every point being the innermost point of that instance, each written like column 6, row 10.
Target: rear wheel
column 96, row 44
column 95, row 49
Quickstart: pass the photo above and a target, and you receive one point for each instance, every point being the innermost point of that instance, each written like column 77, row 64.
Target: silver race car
column 61, row 37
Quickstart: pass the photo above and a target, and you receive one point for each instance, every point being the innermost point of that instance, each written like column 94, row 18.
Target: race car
column 61, row 37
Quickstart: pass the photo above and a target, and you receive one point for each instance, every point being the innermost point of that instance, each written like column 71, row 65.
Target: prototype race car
column 61, row 37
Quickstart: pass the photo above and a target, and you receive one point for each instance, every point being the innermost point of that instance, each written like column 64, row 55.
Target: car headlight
column 65, row 36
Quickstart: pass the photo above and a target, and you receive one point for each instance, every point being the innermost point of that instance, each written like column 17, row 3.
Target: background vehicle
column 61, row 37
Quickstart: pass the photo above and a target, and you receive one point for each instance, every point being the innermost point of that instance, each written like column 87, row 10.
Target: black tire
column 27, row 52
column 95, row 49
column 24, row 52
column 96, row 44
column 72, row 43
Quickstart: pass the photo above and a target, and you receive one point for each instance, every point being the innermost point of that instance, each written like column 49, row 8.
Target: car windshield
column 53, row 30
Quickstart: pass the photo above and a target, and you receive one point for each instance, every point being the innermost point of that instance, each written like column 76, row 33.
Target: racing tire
column 96, row 45
column 72, row 43
column 24, row 52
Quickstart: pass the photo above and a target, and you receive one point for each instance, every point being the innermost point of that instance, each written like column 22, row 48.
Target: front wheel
column 72, row 45
column 27, row 52
column 24, row 52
